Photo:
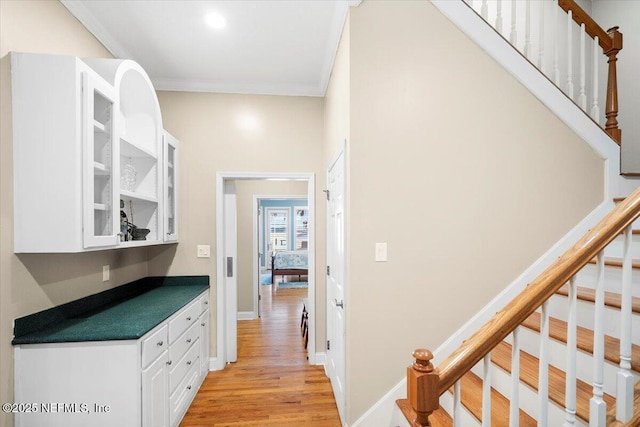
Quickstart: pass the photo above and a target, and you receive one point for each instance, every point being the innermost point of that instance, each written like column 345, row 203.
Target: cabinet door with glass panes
column 301, row 215
column 170, row 165
column 100, row 165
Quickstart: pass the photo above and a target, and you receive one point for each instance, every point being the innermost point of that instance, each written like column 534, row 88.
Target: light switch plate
column 381, row 252
column 105, row 273
column 204, row 251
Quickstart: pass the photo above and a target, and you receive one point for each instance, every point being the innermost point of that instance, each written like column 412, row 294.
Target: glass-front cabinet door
column 170, row 187
column 100, row 168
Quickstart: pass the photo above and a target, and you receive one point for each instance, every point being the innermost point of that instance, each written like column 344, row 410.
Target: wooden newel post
column 422, row 387
column 611, row 126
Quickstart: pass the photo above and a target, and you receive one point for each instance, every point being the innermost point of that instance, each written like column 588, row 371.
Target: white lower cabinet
column 149, row 382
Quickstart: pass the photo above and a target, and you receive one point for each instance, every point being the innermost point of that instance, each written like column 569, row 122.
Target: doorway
column 226, row 286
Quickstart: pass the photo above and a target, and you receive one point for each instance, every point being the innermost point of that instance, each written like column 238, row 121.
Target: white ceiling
column 275, row 47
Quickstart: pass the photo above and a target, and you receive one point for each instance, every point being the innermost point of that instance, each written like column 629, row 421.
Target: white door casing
column 336, row 281
column 230, row 273
column 226, row 304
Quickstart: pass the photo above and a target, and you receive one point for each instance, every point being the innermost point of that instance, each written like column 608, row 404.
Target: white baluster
column 570, row 55
column 514, row 404
column 570, row 386
column 556, row 31
column 597, row 406
column 499, row 16
column 484, row 9
column 582, row 98
column 541, row 66
column 457, row 421
column 486, row 392
column 624, row 392
column 527, row 30
column 514, row 34
column 595, row 108
column 543, row 373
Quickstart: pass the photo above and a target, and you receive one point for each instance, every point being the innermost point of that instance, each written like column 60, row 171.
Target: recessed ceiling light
column 216, row 21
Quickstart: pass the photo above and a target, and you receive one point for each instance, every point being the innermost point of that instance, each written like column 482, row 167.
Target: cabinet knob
column 206, row 302
column 189, row 341
column 160, row 343
column 188, row 362
column 188, row 318
column 169, row 362
column 202, row 324
column 189, row 387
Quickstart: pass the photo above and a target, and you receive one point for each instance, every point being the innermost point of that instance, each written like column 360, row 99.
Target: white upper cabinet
column 170, row 156
column 89, row 171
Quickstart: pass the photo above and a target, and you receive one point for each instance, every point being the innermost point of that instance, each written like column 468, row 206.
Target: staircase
column 566, row 351
column 505, row 376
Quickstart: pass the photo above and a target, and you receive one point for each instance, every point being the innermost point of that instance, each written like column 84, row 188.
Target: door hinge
column 259, row 297
column 328, row 345
column 327, row 192
column 328, row 271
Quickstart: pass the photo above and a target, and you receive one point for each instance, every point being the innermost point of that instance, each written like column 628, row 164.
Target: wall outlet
column 105, row 273
column 204, row 251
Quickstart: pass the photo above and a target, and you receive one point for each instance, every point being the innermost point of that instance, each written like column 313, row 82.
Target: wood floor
column 272, row 383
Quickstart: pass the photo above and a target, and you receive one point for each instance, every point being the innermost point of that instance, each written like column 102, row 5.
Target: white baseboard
column 213, row 364
column 381, row 413
column 321, row 358
column 246, row 315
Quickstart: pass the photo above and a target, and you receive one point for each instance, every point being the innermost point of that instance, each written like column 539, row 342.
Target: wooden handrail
column 522, row 306
column 611, row 43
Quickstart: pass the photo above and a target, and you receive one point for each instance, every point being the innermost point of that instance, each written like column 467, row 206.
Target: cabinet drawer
column 180, row 368
column 204, row 302
column 154, row 345
column 183, row 320
column 182, row 344
column 184, row 393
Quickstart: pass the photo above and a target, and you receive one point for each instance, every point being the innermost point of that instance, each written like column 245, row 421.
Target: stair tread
column 635, row 419
column 558, row 331
column 611, row 299
column 471, row 398
column 529, row 365
column 438, row 418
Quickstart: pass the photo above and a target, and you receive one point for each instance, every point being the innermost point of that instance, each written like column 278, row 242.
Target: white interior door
column 336, row 282
column 230, row 271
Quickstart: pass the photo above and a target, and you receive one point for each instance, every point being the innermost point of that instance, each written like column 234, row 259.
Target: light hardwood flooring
column 272, row 383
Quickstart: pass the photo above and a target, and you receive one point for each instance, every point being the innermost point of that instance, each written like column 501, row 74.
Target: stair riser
column 558, row 307
column 616, row 248
column 501, row 381
column 530, row 343
column 446, row 401
column 613, row 279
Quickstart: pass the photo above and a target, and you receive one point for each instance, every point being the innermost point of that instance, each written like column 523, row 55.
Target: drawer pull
column 189, row 341
column 189, row 387
column 169, row 362
column 188, row 318
column 160, row 343
column 189, row 362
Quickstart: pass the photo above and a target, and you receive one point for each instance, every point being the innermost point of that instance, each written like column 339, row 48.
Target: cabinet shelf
column 131, row 149
column 99, row 127
column 100, row 169
column 138, row 196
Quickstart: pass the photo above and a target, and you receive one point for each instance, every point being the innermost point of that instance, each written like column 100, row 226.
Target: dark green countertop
column 126, row 318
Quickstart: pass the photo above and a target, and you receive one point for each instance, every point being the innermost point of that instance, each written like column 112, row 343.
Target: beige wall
column 476, row 179
column 237, row 133
column 34, row 282
column 245, row 190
